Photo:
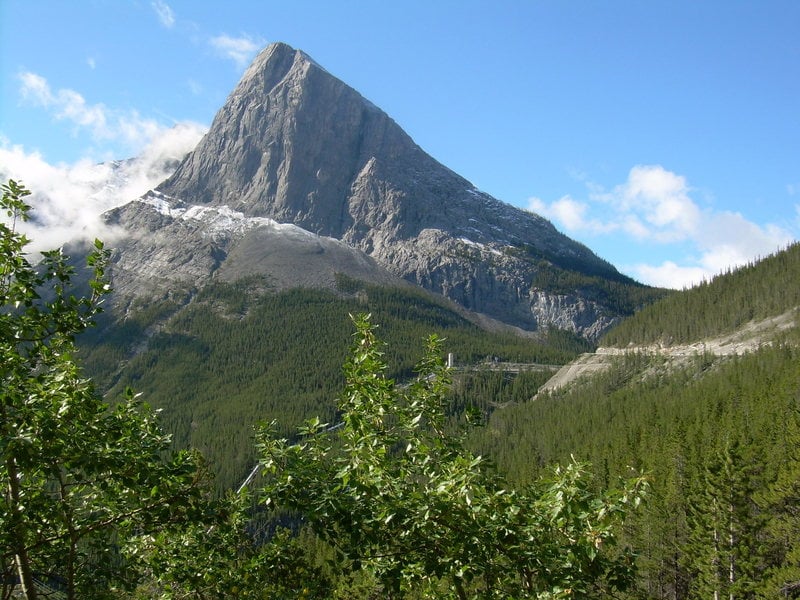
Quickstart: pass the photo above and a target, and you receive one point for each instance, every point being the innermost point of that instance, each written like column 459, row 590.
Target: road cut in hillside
column 746, row 339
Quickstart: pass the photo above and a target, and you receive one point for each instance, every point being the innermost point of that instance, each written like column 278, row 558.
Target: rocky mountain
column 171, row 246
column 300, row 177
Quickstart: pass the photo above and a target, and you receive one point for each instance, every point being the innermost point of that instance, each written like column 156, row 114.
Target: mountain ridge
column 294, row 144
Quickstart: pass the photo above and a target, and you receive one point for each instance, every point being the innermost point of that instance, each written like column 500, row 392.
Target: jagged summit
column 274, row 58
column 294, row 144
column 289, row 143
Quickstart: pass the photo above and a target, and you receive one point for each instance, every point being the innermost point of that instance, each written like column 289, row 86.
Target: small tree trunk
column 21, row 558
column 462, row 594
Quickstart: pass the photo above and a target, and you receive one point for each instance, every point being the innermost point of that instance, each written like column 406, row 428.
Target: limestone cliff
column 295, row 145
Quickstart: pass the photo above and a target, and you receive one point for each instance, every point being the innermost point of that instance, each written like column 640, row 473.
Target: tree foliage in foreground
column 402, row 500
column 94, row 505
column 77, row 477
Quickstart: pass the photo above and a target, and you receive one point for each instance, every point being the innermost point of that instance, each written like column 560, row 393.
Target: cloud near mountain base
column 69, row 199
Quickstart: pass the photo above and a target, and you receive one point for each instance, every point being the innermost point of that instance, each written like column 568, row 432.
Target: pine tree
column 727, row 527
column 782, row 503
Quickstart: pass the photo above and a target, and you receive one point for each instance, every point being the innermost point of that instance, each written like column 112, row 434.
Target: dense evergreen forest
column 234, row 357
column 763, row 289
column 717, row 437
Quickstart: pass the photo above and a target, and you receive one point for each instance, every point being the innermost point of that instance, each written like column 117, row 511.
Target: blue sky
column 663, row 135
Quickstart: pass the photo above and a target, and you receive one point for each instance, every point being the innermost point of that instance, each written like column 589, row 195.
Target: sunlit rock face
column 295, row 146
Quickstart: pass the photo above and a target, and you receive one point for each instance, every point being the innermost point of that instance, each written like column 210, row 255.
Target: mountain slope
column 296, row 145
column 734, row 314
column 712, row 421
column 764, row 289
column 172, row 247
column 235, row 355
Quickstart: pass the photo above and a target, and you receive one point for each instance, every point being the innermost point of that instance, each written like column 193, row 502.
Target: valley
column 287, row 298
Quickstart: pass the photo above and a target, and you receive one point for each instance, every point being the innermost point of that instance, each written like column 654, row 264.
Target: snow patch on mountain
column 481, row 247
column 218, row 219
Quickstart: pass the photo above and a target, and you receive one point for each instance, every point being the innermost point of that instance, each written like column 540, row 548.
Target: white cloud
column 653, row 202
column 670, row 275
column 165, row 14
column 570, row 213
column 654, row 207
column 65, row 104
column 240, row 50
column 104, row 124
column 91, row 62
column 69, row 199
column 663, row 199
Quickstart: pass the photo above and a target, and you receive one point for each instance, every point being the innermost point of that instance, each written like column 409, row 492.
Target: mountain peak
column 288, row 144
column 275, row 63
column 295, row 144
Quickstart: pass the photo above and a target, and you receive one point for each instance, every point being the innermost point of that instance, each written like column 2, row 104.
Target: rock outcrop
column 295, row 145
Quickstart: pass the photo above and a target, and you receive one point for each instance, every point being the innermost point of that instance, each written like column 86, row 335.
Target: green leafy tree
column 403, row 500
column 78, row 477
column 217, row 557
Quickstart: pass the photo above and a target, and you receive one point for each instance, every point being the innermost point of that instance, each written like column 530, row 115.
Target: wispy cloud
column 238, row 49
column 103, row 123
column 164, row 13
column 65, row 103
column 68, row 199
column 654, row 206
column 194, row 86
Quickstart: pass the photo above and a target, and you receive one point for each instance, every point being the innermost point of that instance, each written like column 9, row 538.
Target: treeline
column 599, row 282
column 759, row 290
column 719, row 442
column 621, row 294
column 234, row 357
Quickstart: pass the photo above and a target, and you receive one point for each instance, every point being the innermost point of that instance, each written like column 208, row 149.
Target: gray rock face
column 172, row 246
column 296, row 145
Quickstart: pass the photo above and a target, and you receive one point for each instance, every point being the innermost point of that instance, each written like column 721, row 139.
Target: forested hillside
column 235, row 356
column 717, row 436
column 763, row 289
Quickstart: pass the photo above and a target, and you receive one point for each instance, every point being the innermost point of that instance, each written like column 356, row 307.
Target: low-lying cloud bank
column 69, row 199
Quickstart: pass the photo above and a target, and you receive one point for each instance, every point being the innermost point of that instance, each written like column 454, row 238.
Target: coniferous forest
column 382, row 473
column 230, row 360
column 716, row 436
